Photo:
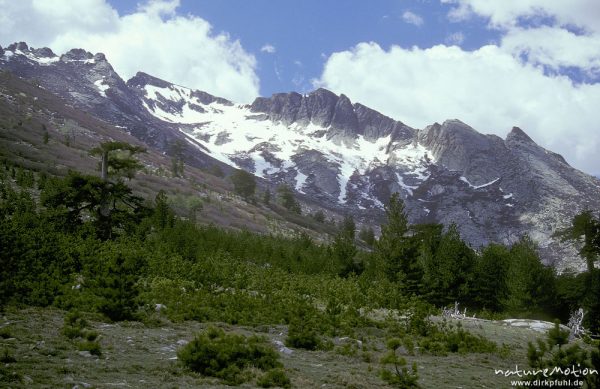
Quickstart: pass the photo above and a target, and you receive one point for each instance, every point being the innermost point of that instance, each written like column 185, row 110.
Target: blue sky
column 534, row 64
column 304, row 33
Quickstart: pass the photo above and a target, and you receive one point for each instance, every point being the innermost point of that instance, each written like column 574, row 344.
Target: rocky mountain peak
column 76, row 55
column 518, row 135
column 342, row 119
column 142, row 79
column 172, row 97
column 21, row 46
column 43, row 52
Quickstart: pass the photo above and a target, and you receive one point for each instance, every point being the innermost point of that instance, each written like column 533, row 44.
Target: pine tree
column 448, row 269
column 244, row 183
column 396, row 251
column 117, row 158
column 367, row 235
column 267, row 197
column 287, row 199
column 490, row 287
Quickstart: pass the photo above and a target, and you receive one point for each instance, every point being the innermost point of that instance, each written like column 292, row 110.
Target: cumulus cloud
column 412, row 18
column 268, row 48
column 489, row 89
column 555, row 48
column 542, row 31
column 509, row 13
column 154, row 39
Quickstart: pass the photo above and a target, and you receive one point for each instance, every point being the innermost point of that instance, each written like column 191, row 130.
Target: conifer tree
column 244, row 183
column 396, row 250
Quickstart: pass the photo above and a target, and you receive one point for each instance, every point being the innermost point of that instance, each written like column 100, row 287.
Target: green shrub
column 274, row 378
column 303, row 336
column 454, row 339
column 92, row 347
column 74, row 325
column 72, row 332
column 90, row 335
column 216, row 354
column 554, row 353
column 401, row 377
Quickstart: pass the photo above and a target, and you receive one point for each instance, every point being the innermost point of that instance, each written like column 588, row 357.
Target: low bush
column 92, row 347
column 303, row 336
column 555, row 352
column 401, row 377
column 274, row 378
column 445, row 339
column 74, row 326
column 227, row 356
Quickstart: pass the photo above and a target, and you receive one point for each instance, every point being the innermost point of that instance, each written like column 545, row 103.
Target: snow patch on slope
column 408, row 188
column 300, row 181
column 464, row 179
column 31, row 57
column 246, row 137
column 102, row 87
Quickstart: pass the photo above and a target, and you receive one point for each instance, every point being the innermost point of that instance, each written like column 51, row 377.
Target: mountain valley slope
column 340, row 156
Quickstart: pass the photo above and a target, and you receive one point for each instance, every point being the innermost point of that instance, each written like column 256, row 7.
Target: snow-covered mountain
column 340, row 155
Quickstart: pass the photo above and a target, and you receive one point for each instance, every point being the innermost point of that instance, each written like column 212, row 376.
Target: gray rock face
column 459, row 147
column 76, row 55
column 339, row 155
column 343, row 120
column 322, row 174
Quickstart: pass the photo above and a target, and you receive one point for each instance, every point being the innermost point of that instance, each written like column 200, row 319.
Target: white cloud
column 154, row 39
column 555, row 48
column 456, row 38
column 412, row 18
column 268, row 48
column 489, row 89
column 541, row 31
column 506, row 13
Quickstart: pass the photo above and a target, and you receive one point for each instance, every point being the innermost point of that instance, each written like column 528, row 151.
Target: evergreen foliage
column 392, row 247
column 448, row 269
column 244, row 183
column 117, row 159
column 367, row 235
column 491, row 281
column 274, row 378
column 401, row 377
column 319, row 216
column 176, row 150
column 585, row 229
column 267, row 197
column 555, row 356
column 227, row 356
column 531, row 286
column 287, row 199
